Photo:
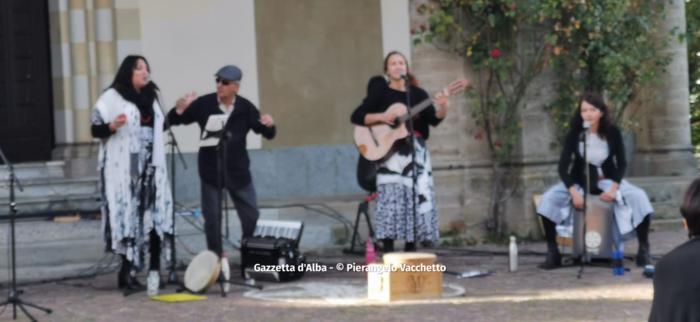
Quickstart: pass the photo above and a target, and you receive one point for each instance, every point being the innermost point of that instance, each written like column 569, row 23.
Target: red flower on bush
column 495, row 53
column 498, row 143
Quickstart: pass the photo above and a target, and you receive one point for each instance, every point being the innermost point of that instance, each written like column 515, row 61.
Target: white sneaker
column 153, row 282
column 226, row 272
column 249, row 281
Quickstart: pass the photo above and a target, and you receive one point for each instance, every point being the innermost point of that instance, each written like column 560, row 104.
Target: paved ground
column 527, row 295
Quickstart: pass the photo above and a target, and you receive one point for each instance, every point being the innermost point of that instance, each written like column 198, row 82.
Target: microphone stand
column 222, row 151
column 412, row 135
column 586, row 191
column 223, row 189
column 13, row 296
column 174, row 149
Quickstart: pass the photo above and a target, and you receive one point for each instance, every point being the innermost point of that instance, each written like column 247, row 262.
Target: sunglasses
column 223, row 81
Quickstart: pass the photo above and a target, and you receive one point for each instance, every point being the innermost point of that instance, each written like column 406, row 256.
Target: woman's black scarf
column 143, row 100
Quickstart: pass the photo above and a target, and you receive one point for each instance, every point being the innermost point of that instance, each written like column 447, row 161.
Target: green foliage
column 501, row 41
column 609, row 46
column 692, row 14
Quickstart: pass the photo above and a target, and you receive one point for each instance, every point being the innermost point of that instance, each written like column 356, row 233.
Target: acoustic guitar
column 375, row 142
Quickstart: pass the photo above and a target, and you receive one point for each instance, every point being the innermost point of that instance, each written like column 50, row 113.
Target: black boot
column 409, row 247
column 643, row 252
column 553, row 258
column 155, row 250
column 427, row 244
column 123, row 275
column 134, row 283
column 388, row 244
column 127, row 277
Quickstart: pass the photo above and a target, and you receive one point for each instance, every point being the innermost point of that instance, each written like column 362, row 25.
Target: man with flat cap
column 242, row 116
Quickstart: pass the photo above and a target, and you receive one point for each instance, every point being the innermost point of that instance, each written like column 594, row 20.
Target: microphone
column 586, row 126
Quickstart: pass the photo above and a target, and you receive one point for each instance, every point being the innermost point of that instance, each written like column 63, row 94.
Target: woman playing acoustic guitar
column 394, row 210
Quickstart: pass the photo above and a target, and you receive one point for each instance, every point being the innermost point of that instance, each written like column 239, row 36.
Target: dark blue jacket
column 245, row 117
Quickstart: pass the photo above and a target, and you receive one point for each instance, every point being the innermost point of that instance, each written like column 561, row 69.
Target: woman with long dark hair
column 136, row 199
column 393, row 213
column 606, row 163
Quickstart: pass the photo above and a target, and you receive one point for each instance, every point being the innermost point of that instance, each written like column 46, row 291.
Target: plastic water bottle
column 512, row 255
column 153, row 283
column 370, row 254
column 618, row 265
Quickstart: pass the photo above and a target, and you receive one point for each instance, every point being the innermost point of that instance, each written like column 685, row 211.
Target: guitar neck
column 416, row 109
column 454, row 87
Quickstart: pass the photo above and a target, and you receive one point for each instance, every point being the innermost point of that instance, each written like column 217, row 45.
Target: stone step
column 665, row 193
column 59, row 204
column 667, row 224
column 52, row 187
column 50, row 250
column 34, row 170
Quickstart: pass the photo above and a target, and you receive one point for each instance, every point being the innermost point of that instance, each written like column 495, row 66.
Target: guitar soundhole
column 396, row 124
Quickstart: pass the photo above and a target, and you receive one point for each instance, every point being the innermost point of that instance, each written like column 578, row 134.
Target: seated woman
column 676, row 280
column 606, row 163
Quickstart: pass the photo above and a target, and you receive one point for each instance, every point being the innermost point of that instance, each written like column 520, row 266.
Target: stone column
column 84, row 61
column 663, row 139
column 59, row 20
column 80, row 69
column 105, row 46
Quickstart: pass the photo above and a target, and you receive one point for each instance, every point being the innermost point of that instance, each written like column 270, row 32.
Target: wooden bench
column 565, row 243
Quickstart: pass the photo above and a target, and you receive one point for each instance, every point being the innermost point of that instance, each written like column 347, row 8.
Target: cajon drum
column 388, row 282
column 599, row 229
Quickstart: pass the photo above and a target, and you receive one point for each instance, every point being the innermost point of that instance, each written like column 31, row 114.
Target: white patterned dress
column 394, row 210
column 122, row 159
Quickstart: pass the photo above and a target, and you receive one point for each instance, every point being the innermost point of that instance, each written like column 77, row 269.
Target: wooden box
column 389, row 282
